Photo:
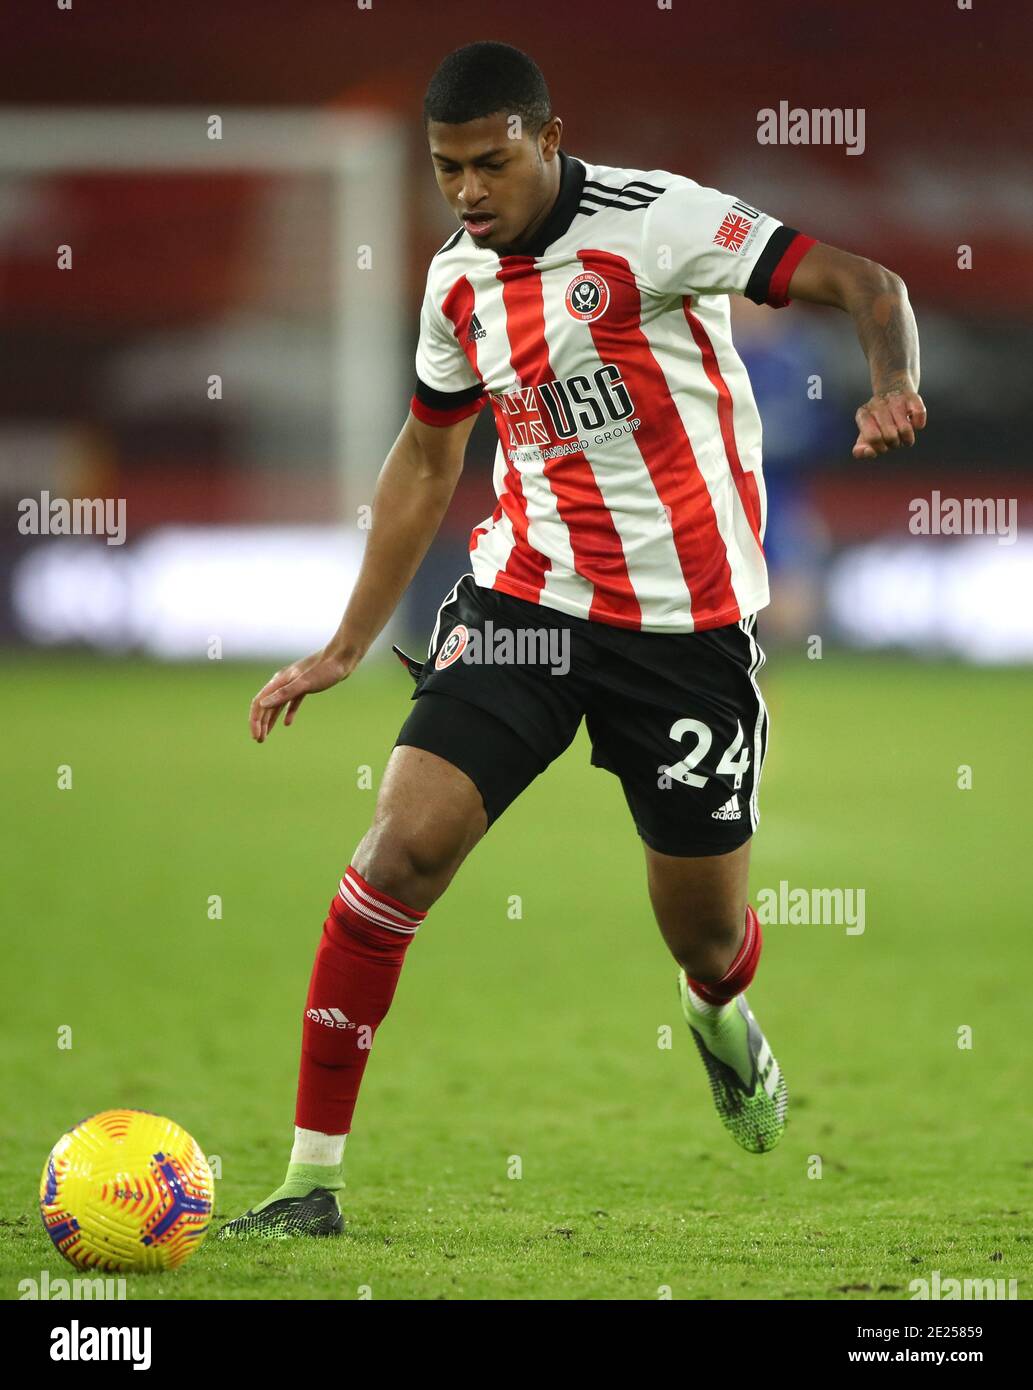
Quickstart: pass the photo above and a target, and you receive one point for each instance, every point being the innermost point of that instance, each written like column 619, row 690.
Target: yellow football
column 126, row 1191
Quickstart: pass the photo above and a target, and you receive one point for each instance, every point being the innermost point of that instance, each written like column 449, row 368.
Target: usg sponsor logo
column 558, row 410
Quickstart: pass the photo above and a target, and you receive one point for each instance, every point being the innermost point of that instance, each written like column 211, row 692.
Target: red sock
column 741, row 971
column 358, row 963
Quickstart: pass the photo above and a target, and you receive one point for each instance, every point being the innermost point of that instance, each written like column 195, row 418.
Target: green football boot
column 746, row 1082
column 301, row 1206
column 317, row 1214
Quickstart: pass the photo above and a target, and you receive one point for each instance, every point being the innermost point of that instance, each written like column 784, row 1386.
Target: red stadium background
column 95, row 397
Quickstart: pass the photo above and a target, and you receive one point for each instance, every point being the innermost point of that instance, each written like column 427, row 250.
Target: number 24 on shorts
column 735, row 759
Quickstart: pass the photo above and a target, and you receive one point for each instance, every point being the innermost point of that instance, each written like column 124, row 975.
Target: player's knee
column 705, row 942
column 409, row 860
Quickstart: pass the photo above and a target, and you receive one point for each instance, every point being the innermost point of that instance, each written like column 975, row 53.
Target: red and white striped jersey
column 628, row 470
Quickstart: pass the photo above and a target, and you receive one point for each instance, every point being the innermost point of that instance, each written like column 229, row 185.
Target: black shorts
column 678, row 717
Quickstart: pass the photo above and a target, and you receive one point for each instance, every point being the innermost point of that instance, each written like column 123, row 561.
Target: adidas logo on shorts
column 729, row 811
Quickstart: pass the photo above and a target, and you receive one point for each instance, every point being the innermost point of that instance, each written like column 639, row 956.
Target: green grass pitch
column 533, row 1037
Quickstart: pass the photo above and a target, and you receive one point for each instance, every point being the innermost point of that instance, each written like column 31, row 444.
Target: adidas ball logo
column 729, row 811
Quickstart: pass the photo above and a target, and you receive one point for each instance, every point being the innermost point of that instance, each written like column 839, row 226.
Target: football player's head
column 494, row 143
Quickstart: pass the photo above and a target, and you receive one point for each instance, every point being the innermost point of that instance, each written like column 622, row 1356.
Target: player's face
column 500, row 188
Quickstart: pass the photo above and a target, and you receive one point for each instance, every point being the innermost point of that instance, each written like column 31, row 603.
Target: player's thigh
column 509, row 659
column 491, row 710
column 456, row 768
column 494, row 697
column 429, row 816
column 494, row 758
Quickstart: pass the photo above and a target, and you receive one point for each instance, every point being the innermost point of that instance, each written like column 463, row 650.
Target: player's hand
column 289, row 687
column 888, row 421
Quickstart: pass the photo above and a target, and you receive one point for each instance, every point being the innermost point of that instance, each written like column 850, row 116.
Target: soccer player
column 618, row 579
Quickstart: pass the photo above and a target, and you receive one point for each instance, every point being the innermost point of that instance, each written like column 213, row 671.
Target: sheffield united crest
column 588, row 296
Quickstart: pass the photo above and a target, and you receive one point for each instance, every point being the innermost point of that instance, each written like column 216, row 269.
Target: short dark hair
column 486, row 77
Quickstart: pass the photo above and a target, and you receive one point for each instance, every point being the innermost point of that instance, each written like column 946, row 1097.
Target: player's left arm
column 877, row 301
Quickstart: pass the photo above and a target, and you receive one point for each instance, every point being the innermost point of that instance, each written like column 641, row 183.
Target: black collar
column 572, row 181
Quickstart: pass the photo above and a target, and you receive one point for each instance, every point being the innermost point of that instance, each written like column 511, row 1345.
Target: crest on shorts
column 588, row 297
column 452, row 648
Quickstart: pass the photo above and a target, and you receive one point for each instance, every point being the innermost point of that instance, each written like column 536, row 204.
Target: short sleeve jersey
column 628, row 469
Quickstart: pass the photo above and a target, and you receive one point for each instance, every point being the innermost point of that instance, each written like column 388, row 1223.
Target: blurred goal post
column 364, row 155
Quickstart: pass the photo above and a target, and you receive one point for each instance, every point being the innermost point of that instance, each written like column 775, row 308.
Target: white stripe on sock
column 360, row 892
column 347, row 896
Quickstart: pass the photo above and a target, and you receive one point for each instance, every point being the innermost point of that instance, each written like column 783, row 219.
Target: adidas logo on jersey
column 729, row 811
column 329, row 1018
column 476, row 331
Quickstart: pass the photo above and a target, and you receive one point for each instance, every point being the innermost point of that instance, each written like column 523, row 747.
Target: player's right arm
column 412, row 495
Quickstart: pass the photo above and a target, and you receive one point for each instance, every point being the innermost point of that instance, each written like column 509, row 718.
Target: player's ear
column 549, row 137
